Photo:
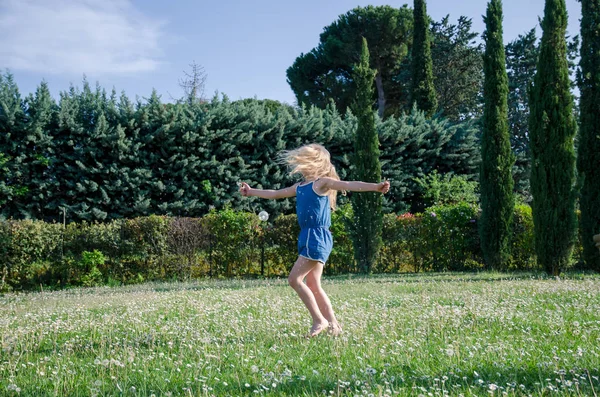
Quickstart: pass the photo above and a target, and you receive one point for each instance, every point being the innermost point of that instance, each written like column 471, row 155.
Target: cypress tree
column 588, row 160
column 367, row 205
column 553, row 128
column 423, row 90
column 496, row 183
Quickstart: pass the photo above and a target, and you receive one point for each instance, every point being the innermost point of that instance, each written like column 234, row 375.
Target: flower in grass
column 493, row 387
column 254, row 369
column 433, row 214
column 13, row 387
column 371, row 371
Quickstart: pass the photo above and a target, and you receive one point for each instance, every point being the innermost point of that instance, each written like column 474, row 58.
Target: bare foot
column 317, row 328
column 334, row 329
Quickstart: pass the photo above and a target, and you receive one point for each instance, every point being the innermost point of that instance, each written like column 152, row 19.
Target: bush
column 450, row 238
column 234, row 244
column 281, row 240
column 28, row 249
column 186, row 237
column 447, row 189
column 227, row 243
column 401, row 238
column 523, row 240
column 341, row 259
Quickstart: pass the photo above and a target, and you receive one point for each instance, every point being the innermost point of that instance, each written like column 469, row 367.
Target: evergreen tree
column 497, row 198
column 521, row 63
column 423, row 90
column 325, row 73
column 552, row 130
column 367, row 205
column 42, row 114
column 13, row 188
column 457, row 68
column 588, row 160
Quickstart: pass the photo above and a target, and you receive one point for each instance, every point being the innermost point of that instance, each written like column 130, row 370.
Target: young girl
column 316, row 196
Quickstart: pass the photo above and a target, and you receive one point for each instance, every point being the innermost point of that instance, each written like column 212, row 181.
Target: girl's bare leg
column 302, row 267
column 313, row 281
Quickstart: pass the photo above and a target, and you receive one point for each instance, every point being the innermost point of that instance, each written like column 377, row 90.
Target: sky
column 244, row 46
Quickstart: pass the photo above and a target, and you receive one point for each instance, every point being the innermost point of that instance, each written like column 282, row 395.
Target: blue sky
column 244, row 46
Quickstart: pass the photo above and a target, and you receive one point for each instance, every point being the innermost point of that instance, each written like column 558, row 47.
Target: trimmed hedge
column 229, row 243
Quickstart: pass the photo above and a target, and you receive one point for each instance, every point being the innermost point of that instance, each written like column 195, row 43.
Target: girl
column 316, row 196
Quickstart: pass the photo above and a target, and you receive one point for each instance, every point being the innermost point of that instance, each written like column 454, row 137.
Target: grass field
column 471, row 334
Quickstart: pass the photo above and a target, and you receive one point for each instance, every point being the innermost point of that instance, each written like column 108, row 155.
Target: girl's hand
column 383, row 187
column 245, row 189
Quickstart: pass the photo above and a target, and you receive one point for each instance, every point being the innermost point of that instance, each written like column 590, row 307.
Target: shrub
column 341, row 259
column 281, row 238
column 447, row 189
column 523, row 240
column 233, row 242
column 450, row 238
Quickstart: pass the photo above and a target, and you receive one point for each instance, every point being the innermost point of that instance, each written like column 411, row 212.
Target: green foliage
column 422, row 89
column 341, row 259
column 110, row 159
column 450, row 239
column 325, row 73
column 447, row 189
column 228, row 244
column 457, row 68
column 522, row 240
column 552, row 132
column 588, row 160
column 496, row 181
column 366, row 231
column 521, row 62
column 89, row 266
column 281, row 238
column 233, row 242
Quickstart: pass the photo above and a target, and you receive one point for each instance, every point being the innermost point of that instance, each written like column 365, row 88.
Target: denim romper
column 314, row 216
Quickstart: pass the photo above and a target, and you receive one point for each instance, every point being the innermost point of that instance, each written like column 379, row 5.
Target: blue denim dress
column 314, row 216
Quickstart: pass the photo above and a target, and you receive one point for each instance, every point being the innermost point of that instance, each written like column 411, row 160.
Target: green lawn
column 472, row 334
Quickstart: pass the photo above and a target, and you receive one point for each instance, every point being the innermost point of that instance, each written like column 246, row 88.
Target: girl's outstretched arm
column 355, row 186
column 247, row 191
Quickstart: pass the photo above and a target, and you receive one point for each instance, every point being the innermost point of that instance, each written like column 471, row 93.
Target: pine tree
column 496, row 182
column 367, row 206
column 13, row 189
column 552, row 129
column 423, row 90
column 42, row 114
column 588, row 160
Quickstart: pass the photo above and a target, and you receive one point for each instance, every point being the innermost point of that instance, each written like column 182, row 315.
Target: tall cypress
column 497, row 197
column 367, row 205
column 553, row 128
column 588, row 160
column 423, row 90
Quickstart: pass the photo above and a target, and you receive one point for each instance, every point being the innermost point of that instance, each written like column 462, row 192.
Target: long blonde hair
column 312, row 162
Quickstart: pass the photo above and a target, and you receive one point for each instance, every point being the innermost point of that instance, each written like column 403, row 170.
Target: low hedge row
column 232, row 244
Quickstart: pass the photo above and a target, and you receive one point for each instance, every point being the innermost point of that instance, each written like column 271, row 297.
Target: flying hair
column 312, row 161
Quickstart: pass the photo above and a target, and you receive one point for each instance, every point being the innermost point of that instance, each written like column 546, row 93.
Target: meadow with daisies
column 411, row 335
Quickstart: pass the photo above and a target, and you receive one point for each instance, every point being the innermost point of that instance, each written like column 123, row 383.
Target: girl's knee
column 294, row 282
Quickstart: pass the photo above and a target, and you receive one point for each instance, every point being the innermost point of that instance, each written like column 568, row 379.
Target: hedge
column 229, row 243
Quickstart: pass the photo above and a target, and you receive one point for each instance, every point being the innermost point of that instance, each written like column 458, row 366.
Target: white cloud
column 77, row 36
